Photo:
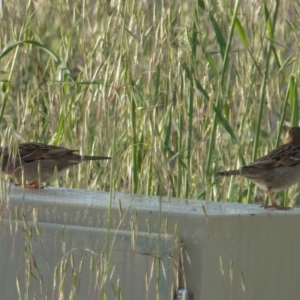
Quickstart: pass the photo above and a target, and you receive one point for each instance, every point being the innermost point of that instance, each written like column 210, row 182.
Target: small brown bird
column 38, row 163
column 276, row 171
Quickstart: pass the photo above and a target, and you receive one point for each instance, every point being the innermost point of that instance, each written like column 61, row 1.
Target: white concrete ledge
column 53, row 242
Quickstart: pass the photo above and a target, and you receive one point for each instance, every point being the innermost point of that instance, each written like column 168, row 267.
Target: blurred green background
column 174, row 91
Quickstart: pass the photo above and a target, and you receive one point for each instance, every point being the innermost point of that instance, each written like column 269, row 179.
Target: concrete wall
column 58, row 244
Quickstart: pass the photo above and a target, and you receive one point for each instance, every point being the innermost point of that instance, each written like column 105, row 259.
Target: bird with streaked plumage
column 276, row 171
column 40, row 163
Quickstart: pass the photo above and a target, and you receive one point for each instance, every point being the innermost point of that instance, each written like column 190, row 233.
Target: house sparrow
column 38, row 163
column 276, row 171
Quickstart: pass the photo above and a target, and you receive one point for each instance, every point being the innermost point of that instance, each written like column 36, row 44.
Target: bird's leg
column 32, row 185
column 274, row 204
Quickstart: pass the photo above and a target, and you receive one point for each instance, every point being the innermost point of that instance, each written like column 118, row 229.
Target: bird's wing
column 285, row 155
column 35, row 151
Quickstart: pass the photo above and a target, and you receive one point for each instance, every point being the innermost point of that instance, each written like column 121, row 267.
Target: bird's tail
column 95, row 157
column 229, row 173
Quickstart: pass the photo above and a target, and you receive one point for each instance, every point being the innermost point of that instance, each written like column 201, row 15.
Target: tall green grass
column 192, row 88
column 173, row 91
